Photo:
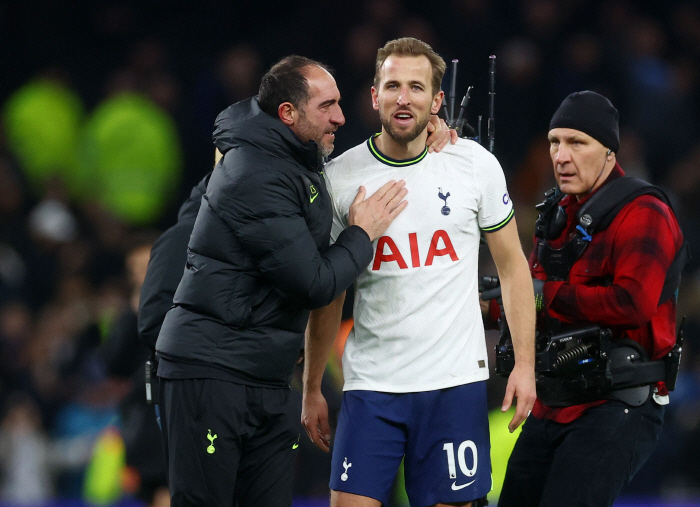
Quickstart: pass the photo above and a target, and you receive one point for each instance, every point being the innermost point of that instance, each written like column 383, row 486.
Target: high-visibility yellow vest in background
column 43, row 120
column 131, row 154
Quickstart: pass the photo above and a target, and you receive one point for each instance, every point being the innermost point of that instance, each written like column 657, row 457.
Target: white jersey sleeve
column 495, row 206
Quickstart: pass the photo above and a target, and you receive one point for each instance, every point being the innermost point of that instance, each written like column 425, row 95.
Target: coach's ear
column 287, row 113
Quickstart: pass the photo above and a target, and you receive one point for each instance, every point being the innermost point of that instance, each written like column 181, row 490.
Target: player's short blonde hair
column 408, row 46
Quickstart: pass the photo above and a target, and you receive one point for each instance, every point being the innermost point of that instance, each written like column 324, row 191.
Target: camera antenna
column 445, row 111
column 460, row 123
column 453, row 89
column 463, row 107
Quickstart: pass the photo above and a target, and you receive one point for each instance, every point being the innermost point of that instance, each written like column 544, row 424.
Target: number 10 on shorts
column 461, row 451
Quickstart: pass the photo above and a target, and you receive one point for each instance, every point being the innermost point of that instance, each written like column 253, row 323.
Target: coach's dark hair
column 286, row 82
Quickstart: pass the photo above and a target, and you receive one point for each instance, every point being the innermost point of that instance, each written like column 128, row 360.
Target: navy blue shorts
column 443, row 434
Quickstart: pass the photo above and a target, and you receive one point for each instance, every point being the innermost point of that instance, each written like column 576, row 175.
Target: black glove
column 537, row 284
column 491, row 294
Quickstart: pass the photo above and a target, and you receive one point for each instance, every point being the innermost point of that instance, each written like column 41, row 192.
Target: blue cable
column 586, row 236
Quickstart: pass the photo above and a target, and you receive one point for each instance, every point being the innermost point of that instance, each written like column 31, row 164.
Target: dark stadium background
column 75, row 225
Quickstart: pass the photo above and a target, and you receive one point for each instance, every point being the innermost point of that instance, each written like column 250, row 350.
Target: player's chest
column 437, row 199
column 438, row 226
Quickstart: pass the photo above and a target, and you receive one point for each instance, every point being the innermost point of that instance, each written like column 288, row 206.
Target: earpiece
column 601, row 169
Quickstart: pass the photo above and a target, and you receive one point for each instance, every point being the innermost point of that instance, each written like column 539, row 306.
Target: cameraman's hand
column 538, row 285
column 521, row 385
column 376, row 213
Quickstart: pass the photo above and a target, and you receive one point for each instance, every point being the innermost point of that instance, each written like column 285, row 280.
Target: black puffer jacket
column 165, row 266
column 258, row 258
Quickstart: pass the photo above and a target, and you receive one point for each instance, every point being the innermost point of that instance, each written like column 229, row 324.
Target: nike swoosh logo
column 295, row 446
column 313, row 198
column 457, row 488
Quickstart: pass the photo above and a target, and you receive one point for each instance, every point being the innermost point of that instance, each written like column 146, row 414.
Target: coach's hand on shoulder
column 376, row 213
column 314, row 418
column 439, row 134
column 521, row 385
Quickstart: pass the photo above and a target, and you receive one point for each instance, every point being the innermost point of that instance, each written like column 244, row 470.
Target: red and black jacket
column 617, row 281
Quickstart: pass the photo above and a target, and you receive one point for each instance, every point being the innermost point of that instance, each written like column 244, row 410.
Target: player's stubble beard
column 403, row 137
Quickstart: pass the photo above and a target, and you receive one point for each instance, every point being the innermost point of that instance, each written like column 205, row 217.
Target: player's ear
column 375, row 99
column 437, row 102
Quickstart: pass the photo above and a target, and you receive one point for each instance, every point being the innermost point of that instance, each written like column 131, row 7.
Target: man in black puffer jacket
column 258, row 260
column 168, row 257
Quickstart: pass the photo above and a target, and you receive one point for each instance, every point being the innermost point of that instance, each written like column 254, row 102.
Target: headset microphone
column 601, row 171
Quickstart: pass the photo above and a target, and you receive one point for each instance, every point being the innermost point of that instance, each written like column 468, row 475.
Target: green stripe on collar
column 390, row 161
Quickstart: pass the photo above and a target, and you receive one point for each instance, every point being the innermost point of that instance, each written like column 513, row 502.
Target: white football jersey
column 418, row 324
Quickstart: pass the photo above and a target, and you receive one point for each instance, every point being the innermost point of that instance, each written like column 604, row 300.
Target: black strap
column 601, row 209
column 639, row 374
column 596, row 215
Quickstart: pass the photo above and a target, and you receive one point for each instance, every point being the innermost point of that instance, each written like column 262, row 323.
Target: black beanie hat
column 592, row 114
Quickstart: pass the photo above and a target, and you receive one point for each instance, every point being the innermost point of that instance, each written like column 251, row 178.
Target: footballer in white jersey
column 417, row 321
column 415, row 362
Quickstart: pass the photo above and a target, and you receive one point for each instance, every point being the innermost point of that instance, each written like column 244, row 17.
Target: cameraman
column 585, row 453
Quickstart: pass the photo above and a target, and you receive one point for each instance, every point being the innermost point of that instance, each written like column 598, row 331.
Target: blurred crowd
column 106, row 117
